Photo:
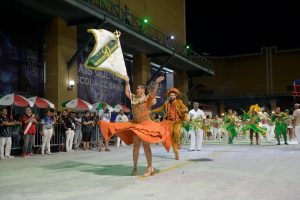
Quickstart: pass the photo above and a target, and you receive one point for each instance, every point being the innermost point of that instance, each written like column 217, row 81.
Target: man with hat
column 176, row 113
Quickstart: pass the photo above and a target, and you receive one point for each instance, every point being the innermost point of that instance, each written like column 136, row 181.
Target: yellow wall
column 247, row 75
column 286, row 69
column 167, row 15
column 61, row 44
column 181, row 82
column 141, row 70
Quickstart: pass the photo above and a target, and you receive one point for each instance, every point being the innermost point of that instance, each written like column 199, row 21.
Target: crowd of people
column 77, row 128
column 172, row 124
column 73, row 129
column 232, row 127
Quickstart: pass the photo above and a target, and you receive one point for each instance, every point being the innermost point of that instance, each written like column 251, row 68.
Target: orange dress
column 141, row 126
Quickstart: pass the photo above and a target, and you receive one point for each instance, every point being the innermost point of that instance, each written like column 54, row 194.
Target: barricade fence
column 58, row 137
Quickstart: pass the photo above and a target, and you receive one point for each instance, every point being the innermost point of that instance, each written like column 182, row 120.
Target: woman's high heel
column 150, row 172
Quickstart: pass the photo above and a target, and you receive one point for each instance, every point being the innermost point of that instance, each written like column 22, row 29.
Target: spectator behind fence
column 121, row 117
column 70, row 127
column 104, row 115
column 16, row 130
column 47, row 131
column 6, row 125
column 78, row 133
column 62, row 130
column 29, row 127
column 87, row 129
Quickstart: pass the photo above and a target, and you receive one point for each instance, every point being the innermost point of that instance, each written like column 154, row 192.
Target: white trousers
column 5, row 142
column 268, row 132
column 196, row 142
column 47, row 135
column 272, row 131
column 297, row 133
column 119, row 142
column 69, row 139
column 217, row 133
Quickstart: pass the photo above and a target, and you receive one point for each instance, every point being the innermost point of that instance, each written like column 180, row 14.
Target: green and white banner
column 107, row 53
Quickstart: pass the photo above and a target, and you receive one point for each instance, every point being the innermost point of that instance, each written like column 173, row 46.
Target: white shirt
column 296, row 115
column 194, row 114
column 121, row 118
column 104, row 116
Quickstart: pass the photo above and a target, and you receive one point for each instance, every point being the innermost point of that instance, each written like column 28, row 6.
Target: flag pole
column 130, row 100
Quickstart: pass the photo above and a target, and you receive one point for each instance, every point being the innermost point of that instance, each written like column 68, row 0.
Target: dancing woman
column 253, row 123
column 142, row 130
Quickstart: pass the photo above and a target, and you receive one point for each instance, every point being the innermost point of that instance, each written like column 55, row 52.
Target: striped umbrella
column 41, row 102
column 15, row 99
column 99, row 106
column 78, row 104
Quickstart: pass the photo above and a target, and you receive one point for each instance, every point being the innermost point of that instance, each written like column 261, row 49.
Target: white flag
column 107, row 53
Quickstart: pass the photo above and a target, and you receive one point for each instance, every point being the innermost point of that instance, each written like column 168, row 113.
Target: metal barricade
column 58, row 137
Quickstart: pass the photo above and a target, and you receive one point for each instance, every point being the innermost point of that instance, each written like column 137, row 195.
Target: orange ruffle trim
column 148, row 131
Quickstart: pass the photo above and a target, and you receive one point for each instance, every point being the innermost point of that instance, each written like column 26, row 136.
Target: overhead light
column 171, row 37
column 187, row 46
column 71, row 84
column 145, row 21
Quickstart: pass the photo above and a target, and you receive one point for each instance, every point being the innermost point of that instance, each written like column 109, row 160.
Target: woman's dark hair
column 144, row 87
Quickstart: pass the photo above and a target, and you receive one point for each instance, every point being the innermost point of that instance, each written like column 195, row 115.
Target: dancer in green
column 253, row 120
column 230, row 121
column 280, row 125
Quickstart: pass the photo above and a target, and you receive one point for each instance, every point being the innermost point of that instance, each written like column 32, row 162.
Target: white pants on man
column 217, row 132
column 5, row 142
column 69, row 139
column 119, row 142
column 272, row 131
column 47, row 135
column 268, row 132
column 196, row 141
column 297, row 133
column 77, row 138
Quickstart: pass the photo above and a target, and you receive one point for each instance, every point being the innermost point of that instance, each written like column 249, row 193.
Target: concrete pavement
column 219, row 171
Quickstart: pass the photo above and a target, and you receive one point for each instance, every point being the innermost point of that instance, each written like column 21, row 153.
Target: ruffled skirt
column 148, row 131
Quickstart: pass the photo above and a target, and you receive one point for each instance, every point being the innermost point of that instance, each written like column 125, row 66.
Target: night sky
column 230, row 28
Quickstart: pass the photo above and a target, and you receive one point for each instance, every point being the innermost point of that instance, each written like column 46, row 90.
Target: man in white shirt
column 121, row 117
column 296, row 123
column 104, row 115
column 196, row 130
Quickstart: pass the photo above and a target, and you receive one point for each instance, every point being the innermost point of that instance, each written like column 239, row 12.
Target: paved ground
column 219, row 171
